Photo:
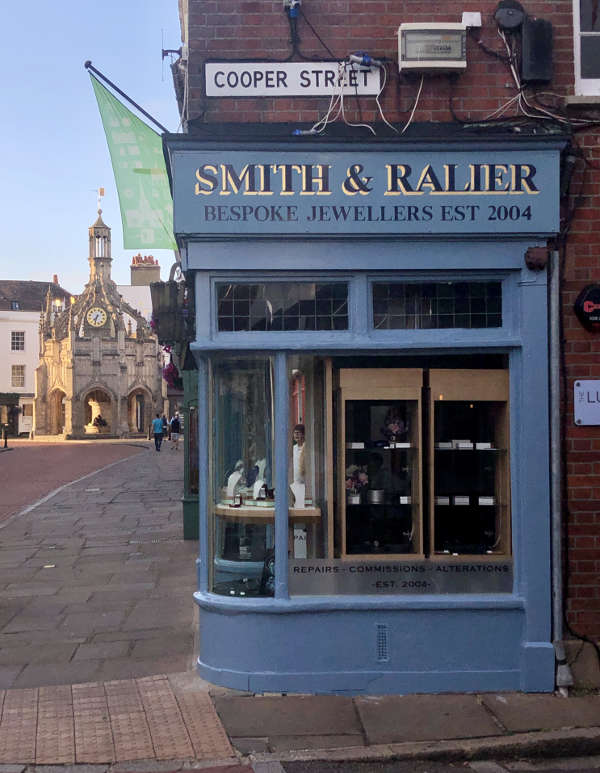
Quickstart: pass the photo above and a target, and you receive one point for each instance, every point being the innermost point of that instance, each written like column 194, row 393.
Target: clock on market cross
column 96, row 316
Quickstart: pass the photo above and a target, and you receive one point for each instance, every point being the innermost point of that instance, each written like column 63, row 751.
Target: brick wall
column 259, row 29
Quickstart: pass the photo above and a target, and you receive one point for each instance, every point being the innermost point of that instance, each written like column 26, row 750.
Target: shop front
column 373, row 463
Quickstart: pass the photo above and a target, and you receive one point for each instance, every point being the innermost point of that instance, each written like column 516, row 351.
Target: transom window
column 408, row 305
column 17, row 340
column 282, row 306
column 18, row 375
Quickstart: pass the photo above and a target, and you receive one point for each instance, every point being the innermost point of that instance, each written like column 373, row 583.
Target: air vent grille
column 382, row 642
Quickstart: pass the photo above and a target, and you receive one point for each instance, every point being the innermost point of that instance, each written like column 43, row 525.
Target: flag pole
column 88, row 66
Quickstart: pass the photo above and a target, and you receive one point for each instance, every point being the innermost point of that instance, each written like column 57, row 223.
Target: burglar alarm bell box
column 432, row 48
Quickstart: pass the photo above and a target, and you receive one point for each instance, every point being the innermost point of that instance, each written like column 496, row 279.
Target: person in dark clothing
column 175, row 430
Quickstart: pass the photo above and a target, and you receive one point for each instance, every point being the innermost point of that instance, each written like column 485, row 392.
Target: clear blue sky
column 52, row 145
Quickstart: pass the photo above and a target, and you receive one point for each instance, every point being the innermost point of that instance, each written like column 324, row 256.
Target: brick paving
column 119, row 721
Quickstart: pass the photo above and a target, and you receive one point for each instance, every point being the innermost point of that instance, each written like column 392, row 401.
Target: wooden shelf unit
column 376, row 387
column 486, row 393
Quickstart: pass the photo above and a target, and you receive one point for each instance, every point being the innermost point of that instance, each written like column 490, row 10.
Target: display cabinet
column 469, row 463
column 378, row 462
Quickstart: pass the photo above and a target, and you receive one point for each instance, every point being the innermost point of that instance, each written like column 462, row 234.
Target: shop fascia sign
column 284, row 192
column 289, row 79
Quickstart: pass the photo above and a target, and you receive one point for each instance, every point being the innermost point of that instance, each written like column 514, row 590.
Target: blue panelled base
column 371, row 651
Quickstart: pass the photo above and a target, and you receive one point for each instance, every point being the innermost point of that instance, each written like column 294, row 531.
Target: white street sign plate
column 289, row 79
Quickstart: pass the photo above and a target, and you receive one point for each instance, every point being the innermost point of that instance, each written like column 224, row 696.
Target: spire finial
column 100, row 195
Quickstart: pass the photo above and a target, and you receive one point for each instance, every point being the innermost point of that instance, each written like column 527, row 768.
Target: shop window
column 17, row 341
column 586, row 30
column 282, row 306
column 308, row 459
column 15, row 306
column 400, row 478
column 404, row 305
column 18, row 375
column 243, row 484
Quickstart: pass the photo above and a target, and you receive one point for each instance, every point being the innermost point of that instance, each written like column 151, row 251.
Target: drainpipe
column 564, row 677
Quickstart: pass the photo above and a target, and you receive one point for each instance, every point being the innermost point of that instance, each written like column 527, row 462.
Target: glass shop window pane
column 427, row 305
column 243, row 484
column 269, row 306
column 470, row 477
column 307, row 467
column 380, row 477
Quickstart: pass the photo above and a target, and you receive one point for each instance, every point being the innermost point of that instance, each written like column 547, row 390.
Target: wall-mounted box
column 431, row 48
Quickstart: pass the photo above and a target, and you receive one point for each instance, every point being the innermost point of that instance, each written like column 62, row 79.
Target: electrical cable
column 318, row 37
column 378, row 103
column 412, row 114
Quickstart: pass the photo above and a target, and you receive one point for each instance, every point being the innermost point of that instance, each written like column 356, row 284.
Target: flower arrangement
column 172, row 377
column 394, row 425
column 356, row 478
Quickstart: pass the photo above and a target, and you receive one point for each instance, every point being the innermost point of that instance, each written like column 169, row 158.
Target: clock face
column 96, row 316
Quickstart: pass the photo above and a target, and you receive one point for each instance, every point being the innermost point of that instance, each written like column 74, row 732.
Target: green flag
column 140, row 174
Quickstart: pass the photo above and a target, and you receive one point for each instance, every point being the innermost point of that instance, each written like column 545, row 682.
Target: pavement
column 97, row 626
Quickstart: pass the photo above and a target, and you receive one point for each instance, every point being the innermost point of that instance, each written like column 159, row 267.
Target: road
column 559, row 765
column 30, row 470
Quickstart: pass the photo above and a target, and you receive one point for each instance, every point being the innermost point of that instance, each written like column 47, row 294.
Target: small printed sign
column 320, row 576
column 289, row 79
column 587, row 307
column 586, row 402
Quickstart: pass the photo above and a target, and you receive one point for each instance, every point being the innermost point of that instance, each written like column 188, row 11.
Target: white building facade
column 21, row 303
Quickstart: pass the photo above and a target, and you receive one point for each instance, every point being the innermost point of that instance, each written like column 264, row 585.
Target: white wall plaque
column 289, row 79
column 586, row 402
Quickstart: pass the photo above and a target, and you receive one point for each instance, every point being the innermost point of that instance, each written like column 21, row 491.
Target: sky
column 54, row 155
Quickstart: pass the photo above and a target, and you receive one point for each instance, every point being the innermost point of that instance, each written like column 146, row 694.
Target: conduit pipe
column 564, row 677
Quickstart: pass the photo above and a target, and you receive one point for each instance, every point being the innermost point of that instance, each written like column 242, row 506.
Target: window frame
column 14, row 340
column 584, row 87
column 14, row 378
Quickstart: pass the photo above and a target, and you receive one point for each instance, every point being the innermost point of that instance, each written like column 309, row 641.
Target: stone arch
column 99, row 407
column 56, row 411
column 139, row 409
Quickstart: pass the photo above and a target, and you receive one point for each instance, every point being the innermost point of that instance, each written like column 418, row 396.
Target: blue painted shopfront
column 377, row 246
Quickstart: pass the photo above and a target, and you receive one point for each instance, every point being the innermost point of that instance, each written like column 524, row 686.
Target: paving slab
column 285, row 743
column 400, row 718
column 287, row 715
column 520, row 713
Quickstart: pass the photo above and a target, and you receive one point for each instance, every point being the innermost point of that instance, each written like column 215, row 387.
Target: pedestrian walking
column 157, row 429
column 165, row 426
column 175, row 430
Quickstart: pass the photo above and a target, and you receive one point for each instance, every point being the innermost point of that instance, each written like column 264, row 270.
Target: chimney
column 55, row 279
column 144, row 269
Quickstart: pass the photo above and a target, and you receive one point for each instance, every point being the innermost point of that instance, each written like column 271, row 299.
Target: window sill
column 582, row 101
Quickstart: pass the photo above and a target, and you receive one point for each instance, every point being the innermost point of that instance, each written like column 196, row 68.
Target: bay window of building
column 398, row 467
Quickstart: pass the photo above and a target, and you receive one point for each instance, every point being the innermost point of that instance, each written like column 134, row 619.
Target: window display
column 243, row 482
column 379, row 448
column 399, row 471
column 470, row 508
